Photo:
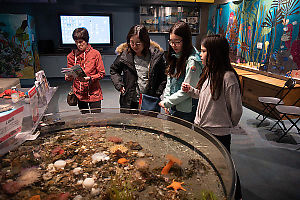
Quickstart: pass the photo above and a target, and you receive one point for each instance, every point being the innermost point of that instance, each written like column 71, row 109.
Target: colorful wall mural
column 18, row 49
column 263, row 32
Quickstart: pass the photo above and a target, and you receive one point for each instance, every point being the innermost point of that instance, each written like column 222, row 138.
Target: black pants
column 133, row 105
column 86, row 107
column 226, row 141
column 190, row 117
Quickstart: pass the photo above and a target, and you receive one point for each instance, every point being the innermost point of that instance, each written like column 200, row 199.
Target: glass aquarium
column 118, row 154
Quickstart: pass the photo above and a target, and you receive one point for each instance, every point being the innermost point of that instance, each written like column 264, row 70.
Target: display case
column 159, row 19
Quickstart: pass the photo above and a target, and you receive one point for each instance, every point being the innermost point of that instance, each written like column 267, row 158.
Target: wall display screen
column 99, row 27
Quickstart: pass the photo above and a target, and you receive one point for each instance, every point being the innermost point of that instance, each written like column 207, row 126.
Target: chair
column 286, row 111
column 270, row 103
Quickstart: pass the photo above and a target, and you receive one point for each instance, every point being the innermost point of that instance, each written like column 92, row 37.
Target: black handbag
column 150, row 103
column 72, row 99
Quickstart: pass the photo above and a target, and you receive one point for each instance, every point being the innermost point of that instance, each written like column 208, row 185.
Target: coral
column 28, row 176
column 176, row 186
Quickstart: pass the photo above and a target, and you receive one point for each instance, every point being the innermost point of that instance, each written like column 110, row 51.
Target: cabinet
column 161, row 18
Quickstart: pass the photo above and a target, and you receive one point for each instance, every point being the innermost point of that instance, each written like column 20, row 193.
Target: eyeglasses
column 175, row 43
column 137, row 44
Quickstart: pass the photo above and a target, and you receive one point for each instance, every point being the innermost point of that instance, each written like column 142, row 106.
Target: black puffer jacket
column 124, row 64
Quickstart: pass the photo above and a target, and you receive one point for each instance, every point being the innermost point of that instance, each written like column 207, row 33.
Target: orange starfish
column 36, row 197
column 176, row 186
column 122, row 161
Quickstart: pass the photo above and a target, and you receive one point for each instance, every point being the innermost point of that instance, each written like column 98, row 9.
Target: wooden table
column 256, row 85
column 242, row 72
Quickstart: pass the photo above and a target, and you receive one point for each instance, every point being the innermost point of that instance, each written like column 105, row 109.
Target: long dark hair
column 143, row 35
column 217, row 63
column 183, row 30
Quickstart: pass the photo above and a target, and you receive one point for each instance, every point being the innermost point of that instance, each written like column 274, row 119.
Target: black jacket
column 124, row 64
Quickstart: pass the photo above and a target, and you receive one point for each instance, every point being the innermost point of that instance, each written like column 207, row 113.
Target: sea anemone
column 11, row 187
column 57, row 151
column 118, row 149
column 28, row 176
column 115, row 139
column 172, row 160
column 141, row 164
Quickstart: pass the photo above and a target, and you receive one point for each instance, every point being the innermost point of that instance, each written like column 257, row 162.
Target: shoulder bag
column 147, row 102
column 72, row 99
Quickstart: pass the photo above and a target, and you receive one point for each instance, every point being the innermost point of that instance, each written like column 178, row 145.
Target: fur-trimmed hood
column 124, row 46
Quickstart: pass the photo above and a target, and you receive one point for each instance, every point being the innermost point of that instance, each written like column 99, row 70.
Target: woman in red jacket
column 87, row 89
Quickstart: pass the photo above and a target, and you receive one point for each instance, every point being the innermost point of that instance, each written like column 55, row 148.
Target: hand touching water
column 163, row 106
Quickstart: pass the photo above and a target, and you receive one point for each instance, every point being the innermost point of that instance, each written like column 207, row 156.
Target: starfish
column 176, row 186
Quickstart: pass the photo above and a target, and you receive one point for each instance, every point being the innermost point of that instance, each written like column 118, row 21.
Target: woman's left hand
column 84, row 79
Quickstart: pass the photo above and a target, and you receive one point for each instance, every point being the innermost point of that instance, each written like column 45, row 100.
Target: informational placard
column 41, row 93
column 41, row 78
column 33, row 100
column 10, row 123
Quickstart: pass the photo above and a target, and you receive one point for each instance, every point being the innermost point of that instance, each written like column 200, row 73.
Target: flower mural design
column 16, row 53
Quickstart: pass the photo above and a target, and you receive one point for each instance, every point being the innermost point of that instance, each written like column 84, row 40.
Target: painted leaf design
column 290, row 7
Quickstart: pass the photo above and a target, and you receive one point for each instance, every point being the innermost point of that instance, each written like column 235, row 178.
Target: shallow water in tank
column 204, row 171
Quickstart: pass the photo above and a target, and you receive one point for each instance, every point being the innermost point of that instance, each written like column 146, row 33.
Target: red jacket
column 92, row 64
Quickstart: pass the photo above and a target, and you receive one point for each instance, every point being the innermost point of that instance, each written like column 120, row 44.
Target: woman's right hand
column 185, row 87
column 122, row 90
column 163, row 106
